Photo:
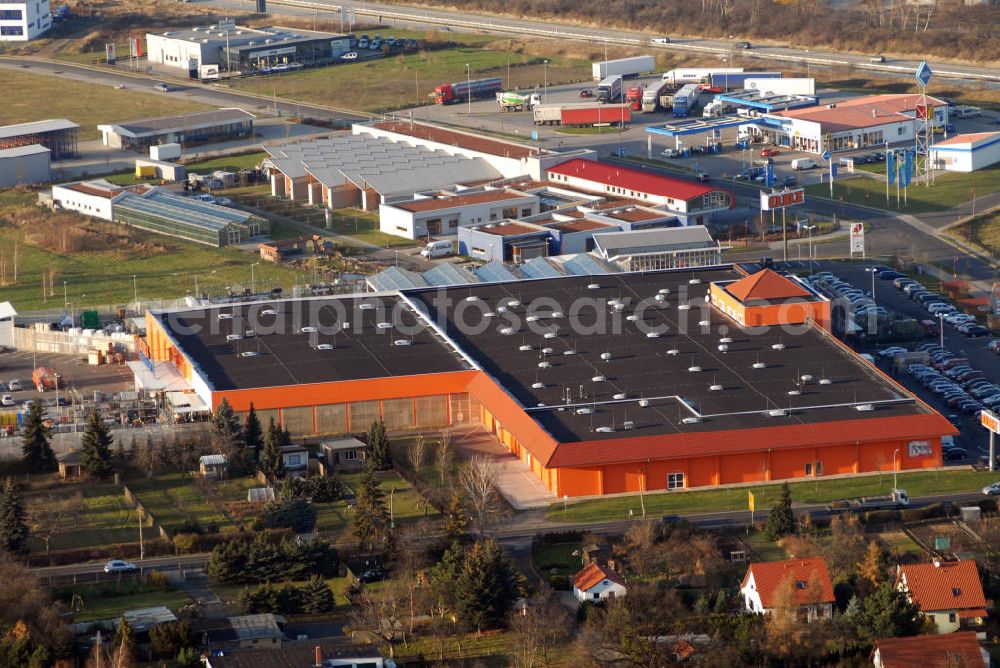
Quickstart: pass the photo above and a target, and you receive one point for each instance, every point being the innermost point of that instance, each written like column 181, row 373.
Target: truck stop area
column 693, row 126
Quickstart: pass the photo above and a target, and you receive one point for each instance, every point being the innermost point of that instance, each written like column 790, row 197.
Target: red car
column 586, row 93
column 769, row 152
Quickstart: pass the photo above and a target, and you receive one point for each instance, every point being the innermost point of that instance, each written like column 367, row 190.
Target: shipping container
column 624, row 67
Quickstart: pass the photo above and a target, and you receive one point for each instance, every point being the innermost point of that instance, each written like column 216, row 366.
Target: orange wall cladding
column 794, row 311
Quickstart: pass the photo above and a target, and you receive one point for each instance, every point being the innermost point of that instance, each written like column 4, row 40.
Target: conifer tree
column 377, row 452
column 13, row 523
column 781, row 521
column 95, row 447
column 37, row 453
column 269, row 462
column 370, row 513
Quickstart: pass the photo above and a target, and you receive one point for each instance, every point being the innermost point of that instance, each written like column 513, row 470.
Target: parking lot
column 959, row 379
column 78, row 379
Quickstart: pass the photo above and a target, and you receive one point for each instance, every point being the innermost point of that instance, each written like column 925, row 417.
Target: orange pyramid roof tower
column 766, row 285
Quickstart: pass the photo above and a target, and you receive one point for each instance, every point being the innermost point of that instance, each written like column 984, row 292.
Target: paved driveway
column 516, row 483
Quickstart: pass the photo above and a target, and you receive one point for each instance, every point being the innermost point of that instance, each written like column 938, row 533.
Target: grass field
column 923, row 483
column 102, row 602
column 406, row 503
column 983, row 231
column 556, row 558
column 174, row 498
column 403, row 81
column 105, row 277
column 763, row 549
column 28, row 92
column 83, row 515
column 946, row 192
column 230, row 595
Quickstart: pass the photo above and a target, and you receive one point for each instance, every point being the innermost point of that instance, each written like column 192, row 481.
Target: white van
column 804, row 163
column 438, row 249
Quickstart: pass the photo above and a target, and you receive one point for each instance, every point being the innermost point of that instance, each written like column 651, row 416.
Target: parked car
column 994, row 345
column 15, row 386
column 586, row 92
column 976, row 331
column 120, row 566
column 350, row 55
column 120, row 86
column 7, row 400
column 660, row 40
column 702, row 177
column 769, row 152
column 954, row 454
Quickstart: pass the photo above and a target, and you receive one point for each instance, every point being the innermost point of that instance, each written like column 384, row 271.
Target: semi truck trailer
column 623, row 67
column 461, row 91
column 582, row 114
column 610, row 89
column 686, row 100
column 736, row 80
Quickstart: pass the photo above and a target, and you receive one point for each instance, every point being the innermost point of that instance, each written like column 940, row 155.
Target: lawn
column 923, row 483
column 165, row 268
column 177, row 497
column 230, row 594
column 983, row 231
column 946, row 192
column 28, row 92
column 430, row 472
column 404, row 81
column 102, row 603
column 762, row 548
column 556, row 558
column 899, row 543
column 80, row 516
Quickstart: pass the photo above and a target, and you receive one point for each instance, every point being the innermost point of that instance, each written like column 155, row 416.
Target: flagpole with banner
column 752, row 504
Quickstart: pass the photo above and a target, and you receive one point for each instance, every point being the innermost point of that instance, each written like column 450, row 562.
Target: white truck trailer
column 623, row 67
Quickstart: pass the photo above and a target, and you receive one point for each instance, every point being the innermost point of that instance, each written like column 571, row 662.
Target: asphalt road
column 719, row 49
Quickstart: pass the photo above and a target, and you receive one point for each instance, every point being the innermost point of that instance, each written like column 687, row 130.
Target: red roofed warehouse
column 599, row 384
column 950, row 594
column 693, row 203
column 805, row 583
column 950, row 651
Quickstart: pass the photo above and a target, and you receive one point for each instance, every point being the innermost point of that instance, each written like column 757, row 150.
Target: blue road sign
column 833, row 169
column 769, row 176
column 826, row 155
column 534, row 135
column 923, row 73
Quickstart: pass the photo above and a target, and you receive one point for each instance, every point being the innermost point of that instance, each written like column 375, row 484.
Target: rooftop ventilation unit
column 628, row 425
column 324, row 346
column 233, row 337
column 513, row 303
column 532, row 318
column 249, row 353
column 726, row 339
column 691, row 420
column 614, row 302
column 663, row 291
column 694, row 281
column 777, row 412
column 805, row 378
column 619, row 307
column 644, row 403
column 557, row 315
column 401, row 342
column 759, row 365
column 723, row 348
column 605, row 430
column 794, row 393
column 489, row 314
column 593, row 286
column 586, row 410
column 525, row 348
column 652, row 335
column 537, row 386
column 704, row 323
column 507, row 331
column 550, row 335
column 472, row 298
column 660, row 298
column 673, row 351
column 864, row 408
column 547, row 351
column 269, row 311
column 632, row 318
column 694, row 369
column 825, row 381
column 778, row 346
column 544, row 365
column 606, row 356
column 619, row 396
column 250, row 333
column 569, row 352
column 313, row 330
column 540, row 404
column 366, row 307
column 225, row 316
column 684, row 307
column 501, row 309
column 598, row 379
column 384, row 325
column 345, row 325
column 715, row 388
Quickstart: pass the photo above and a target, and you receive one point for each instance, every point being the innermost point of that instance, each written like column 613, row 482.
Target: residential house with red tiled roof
column 598, row 582
column 950, row 594
column 956, row 650
column 808, row 580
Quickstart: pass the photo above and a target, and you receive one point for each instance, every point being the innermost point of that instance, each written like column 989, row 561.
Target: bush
column 296, row 514
column 157, row 580
column 186, row 543
column 318, row 489
column 313, row 597
column 988, row 505
column 559, row 582
column 261, row 559
column 881, row 517
column 925, row 513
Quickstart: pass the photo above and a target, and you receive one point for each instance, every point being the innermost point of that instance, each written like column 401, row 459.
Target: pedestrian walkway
column 516, row 483
column 194, row 583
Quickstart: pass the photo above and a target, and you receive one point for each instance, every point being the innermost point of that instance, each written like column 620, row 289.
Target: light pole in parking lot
column 468, row 86
column 872, row 271
column 545, row 81
column 894, row 485
column 941, row 329
column 809, row 230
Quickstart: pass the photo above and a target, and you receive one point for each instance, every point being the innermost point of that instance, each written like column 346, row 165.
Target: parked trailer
column 633, row 97
column 790, row 86
column 702, row 75
column 610, row 89
column 666, row 96
column 464, row 90
column 511, row 101
column 624, row 67
column 736, row 80
column 44, row 379
column 894, row 501
column 686, row 100
column 582, row 114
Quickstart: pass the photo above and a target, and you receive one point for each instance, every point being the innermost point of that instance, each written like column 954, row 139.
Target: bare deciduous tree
column 380, row 615
column 478, row 481
column 537, row 629
column 445, row 456
column 417, row 453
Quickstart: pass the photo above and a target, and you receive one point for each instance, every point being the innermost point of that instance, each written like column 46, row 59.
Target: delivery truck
column 894, row 501
column 686, row 100
column 651, row 97
column 623, row 67
column 610, row 89
column 583, row 114
column 633, row 97
column 697, row 75
column 513, row 101
column 45, row 379
column 736, row 80
column 460, row 91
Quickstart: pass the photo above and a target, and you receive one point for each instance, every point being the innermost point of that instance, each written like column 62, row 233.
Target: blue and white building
column 966, row 153
column 24, row 21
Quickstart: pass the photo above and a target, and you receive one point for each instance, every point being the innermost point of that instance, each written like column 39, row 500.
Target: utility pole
column 468, row 88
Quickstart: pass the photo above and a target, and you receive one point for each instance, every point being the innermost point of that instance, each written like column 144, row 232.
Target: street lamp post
column 809, row 231
column 253, row 278
column 545, row 84
column 468, row 87
column 941, row 329
column 872, row 271
column 894, row 485
column 135, row 293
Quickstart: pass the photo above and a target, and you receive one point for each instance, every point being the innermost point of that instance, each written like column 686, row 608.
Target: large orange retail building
column 600, row 385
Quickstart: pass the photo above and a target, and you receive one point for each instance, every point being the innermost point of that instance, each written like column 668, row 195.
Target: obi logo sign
column 770, row 201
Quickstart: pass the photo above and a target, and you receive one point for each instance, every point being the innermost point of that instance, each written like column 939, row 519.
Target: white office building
column 23, row 21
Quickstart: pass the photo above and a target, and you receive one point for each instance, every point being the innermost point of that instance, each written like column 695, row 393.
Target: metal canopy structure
column 761, row 101
column 696, row 126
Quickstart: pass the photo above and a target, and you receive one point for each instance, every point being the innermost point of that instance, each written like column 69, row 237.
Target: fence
column 144, row 514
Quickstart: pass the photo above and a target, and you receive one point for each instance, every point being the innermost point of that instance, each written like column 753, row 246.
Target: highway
column 514, row 536
column 546, row 28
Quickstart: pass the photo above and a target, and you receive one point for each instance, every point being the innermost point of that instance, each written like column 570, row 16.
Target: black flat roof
column 654, row 369
column 280, row 353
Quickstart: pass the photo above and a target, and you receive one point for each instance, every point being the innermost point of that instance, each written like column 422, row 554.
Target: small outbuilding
column 70, row 465
column 598, row 582
column 213, row 466
column 25, row 165
column 967, row 153
column 295, row 459
column 344, row 453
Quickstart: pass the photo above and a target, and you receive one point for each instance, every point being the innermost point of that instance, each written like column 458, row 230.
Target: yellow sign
column 750, row 500
column 990, row 421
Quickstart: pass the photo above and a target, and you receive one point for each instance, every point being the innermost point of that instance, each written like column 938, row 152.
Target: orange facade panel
column 579, row 482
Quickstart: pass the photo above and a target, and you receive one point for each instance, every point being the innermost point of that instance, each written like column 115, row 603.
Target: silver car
column 992, row 490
